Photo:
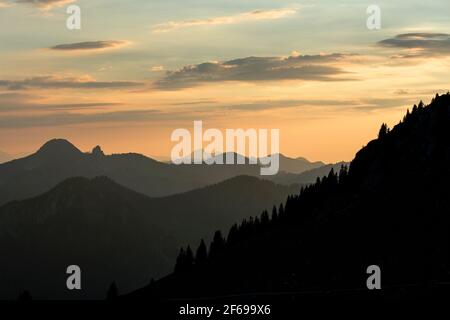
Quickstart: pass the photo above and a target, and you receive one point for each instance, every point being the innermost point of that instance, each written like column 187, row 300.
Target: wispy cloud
column 5, row 4
column 255, row 69
column 12, row 102
column 54, row 82
column 156, row 68
column 256, row 15
column 72, row 118
column 419, row 44
column 357, row 104
column 89, row 45
column 45, row 4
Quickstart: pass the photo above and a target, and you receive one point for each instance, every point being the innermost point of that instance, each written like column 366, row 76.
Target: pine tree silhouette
column 326, row 235
column 189, row 259
column 383, row 131
column 201, row 255
column 274, row 214
column 179, row 265
column 217, row 245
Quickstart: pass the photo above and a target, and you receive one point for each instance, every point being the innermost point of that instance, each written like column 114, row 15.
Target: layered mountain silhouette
column 58, row 160
column 298, row 165
column 306, row 177
column 390, row 208
column 112, row 232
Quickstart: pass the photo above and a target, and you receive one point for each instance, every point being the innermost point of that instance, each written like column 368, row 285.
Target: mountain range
column 58, row 160
column 389, row 209
column 113, row 233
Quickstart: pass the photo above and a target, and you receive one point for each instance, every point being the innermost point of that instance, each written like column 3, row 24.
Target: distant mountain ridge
column 58, row 160
column 297, row 165
column 308, row 176
column 113, row 233
column 390, row 209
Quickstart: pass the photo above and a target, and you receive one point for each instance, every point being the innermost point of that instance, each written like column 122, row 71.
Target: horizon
column 313, row 70
column 224, row 157
column 154, row 157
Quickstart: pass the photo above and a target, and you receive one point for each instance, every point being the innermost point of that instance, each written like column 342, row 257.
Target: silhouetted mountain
column 111, row 232
column 306, row 177
column 297, row 165
column 58, row 160
column 390, row 208
column 287, row 165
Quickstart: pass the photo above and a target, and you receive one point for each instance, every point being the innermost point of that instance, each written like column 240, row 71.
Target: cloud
column 292, row 103
column 419, row 44
column 156, row 68
column 5, row 4
column 11, row 102
column 420, row 92
column 69, row 118
column 256, row 15
column 359, row 104
column 254, row 69
column 89, row 45
column 53, row 82
column 371, row 104
column 46, row 4
column 72, row 118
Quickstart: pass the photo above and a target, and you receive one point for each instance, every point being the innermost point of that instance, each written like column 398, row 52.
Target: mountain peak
column 58, row 147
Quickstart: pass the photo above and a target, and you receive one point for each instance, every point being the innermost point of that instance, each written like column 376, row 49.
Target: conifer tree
column 274, row 214
column 281, row 211
column 179, row 265
column 189, row 259
column 201, row 255
column 217, row 245
column 265, row 218
column 383, row 131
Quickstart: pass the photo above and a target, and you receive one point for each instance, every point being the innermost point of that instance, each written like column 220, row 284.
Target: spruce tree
column 201, row 255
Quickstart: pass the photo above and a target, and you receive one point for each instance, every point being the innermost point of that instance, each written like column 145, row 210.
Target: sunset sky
column 137, row 70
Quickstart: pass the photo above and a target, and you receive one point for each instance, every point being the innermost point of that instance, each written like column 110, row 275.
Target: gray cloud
column 51, row 82
column 419, row 44
column 68, row 118
column 370, row 104
column 71, row 118
column 254, row 69
column 366, row 104
column 256, row 15
column 293, row 103
column 88, row 45
column 11, row 102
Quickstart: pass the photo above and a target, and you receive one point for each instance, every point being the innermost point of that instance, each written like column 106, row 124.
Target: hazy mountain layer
column 390, row 209
column 58, row 160
column 113, row 233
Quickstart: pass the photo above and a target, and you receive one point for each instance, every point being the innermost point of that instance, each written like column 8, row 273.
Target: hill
column 297, row 165
column 113, row 233
column 306, row 177
column 58, row 160
column 390, row 209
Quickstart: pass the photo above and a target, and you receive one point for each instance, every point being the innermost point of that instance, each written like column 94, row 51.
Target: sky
column 137, row 70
